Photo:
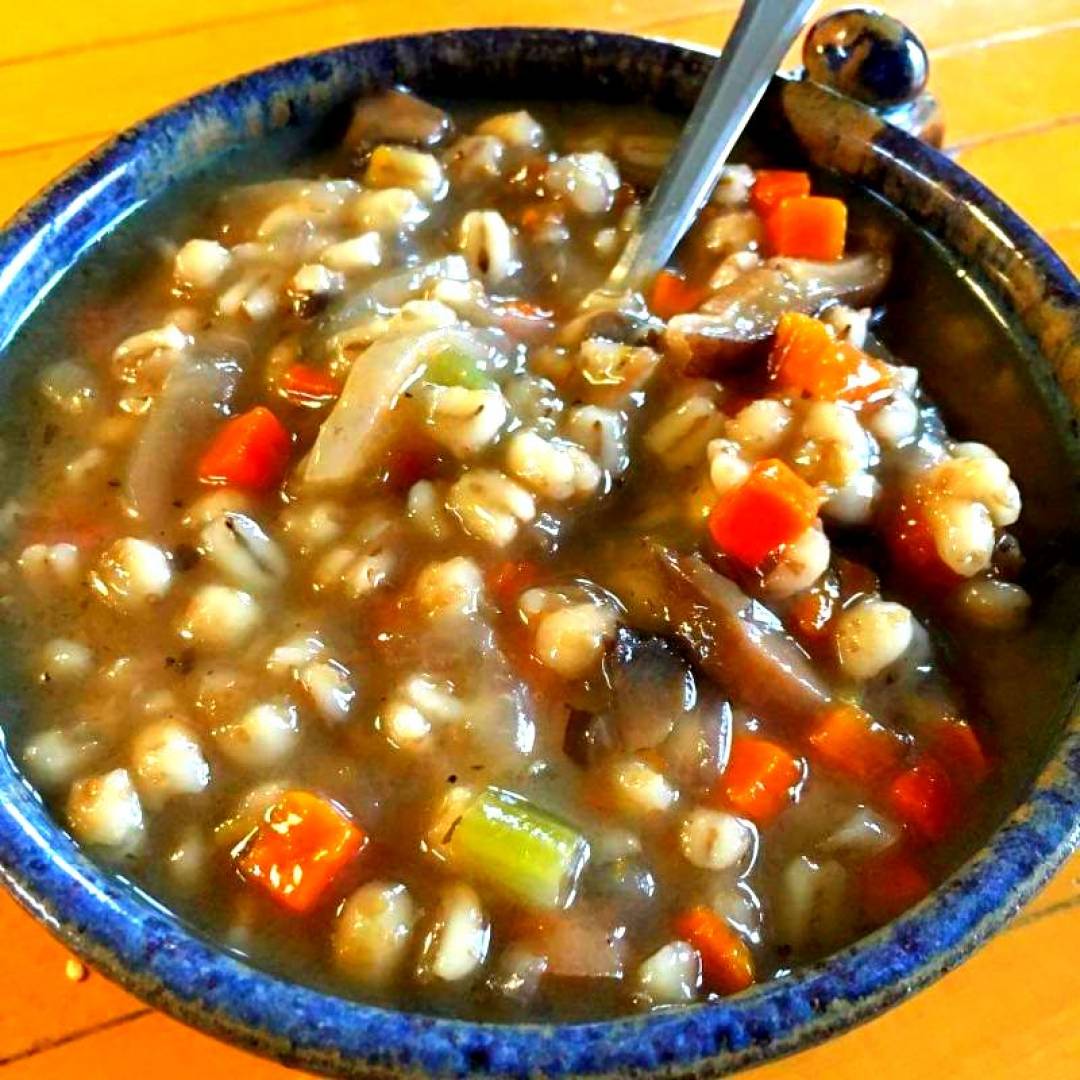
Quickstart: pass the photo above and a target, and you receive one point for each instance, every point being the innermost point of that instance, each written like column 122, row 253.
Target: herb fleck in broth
column 665, row 653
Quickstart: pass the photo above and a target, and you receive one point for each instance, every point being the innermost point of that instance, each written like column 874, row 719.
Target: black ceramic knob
column 866, row 55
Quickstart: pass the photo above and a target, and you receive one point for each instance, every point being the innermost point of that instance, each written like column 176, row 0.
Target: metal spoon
column 762, row 34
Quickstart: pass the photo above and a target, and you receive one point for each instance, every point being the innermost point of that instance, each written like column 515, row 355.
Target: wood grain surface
column 1008, row 72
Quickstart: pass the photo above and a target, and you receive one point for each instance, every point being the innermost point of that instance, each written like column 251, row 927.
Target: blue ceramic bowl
column 121, row 932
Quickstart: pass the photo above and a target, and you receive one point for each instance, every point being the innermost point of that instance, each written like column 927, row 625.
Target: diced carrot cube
column 508, row 580
column 889, row 884
column 807, row 360
column 807, row 227
column 924, row 799
column 308, row 385
column 759, row 779
column 849, row 741
column 302, row 843
column 530, row 311
column 772, row 185
column 251, row 451
column 727, row 965
column 672, row 295
column 914, row 552
column 407, row 464
column 810, row 614
column 770, row 508
column 955, row 744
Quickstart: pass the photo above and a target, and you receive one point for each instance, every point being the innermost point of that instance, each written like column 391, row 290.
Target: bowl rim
column 121, row 931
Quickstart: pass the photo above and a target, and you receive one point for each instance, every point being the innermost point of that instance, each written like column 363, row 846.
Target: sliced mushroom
column 589, row 737
column 733, row 327
column 396, row 116
column 738, row 641
column 698, row 747
column 652, row 685
column 626, row 325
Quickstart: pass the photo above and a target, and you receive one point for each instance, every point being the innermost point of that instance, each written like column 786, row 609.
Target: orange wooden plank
column 73, row 93
column 1034, row 1021
column 1035, row 172
column 47, row 1005
column 25, row 172
column 86, row 26
column 1039, row 72
column 938, row 24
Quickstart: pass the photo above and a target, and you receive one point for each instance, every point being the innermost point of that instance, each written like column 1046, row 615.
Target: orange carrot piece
column 849, row 741
column 301, row 844
column 807, row 227
column 530, row 311
column 889, row 884
column 759, row 779
column 308, row 385
column 770, row 508
column 955, row 744
column 925, row 800
column 406, row 464
column 772, row 185
column 251, row 451
column 727, row 964
column 538, row 217
column 807, row 360
column 508, row 580
column 673, row 295
column 810, row 614
column 911, row 544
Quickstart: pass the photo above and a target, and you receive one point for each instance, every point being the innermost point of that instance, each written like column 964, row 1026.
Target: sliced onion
column 355, row 433
column 191, row 404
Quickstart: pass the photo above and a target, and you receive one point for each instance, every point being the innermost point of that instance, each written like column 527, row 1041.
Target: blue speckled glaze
column 119, row 930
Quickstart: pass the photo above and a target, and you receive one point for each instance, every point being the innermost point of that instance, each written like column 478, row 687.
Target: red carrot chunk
column 955, row 744
column 727, row 965
column 911, row 544
column 889, row 884
column 924, row 798
column 759, row 780
column 300, row 846
column 308, row 385
column 807, row 227
column 806, row 360
column 506, row 581
column 849, row 741
column 673, row 295
column 772, row 185
column 251, row 451
column 769, row 509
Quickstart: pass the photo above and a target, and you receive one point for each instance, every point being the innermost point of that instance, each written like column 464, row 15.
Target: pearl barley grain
column 872, row 635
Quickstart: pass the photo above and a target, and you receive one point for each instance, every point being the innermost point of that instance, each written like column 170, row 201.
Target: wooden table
column 72, row 73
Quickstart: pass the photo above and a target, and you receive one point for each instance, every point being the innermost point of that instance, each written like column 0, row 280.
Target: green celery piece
column 455, row 367
column 520, row 849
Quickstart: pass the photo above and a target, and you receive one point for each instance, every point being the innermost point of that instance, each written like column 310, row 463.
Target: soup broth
column 421, row 624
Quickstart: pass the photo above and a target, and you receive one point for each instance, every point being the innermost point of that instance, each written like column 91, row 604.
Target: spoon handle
column 762, row 34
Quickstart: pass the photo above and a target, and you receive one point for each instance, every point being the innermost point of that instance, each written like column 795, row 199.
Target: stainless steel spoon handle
column 762, row 34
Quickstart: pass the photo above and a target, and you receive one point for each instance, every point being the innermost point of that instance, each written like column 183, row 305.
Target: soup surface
column 424, row 625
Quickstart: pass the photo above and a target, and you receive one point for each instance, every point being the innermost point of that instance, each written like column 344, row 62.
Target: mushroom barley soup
column 428, row 629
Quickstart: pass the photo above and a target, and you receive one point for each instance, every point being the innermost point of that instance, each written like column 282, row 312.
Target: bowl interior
column 976, row 303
